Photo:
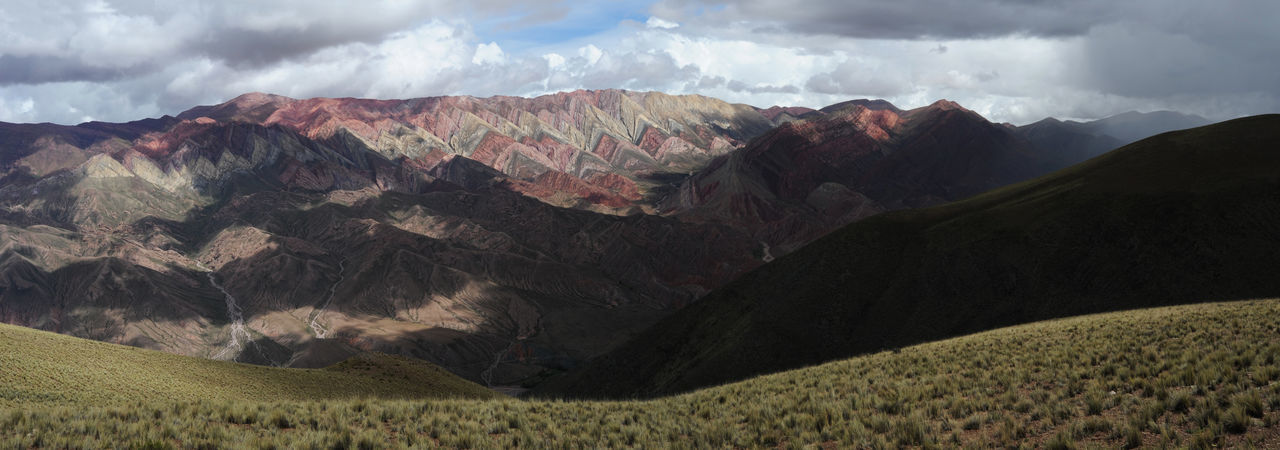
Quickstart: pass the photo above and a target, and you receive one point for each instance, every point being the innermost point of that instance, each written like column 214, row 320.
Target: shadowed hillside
column 1180, row 217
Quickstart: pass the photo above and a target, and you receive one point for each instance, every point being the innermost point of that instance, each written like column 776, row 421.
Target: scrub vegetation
column 1186, row 376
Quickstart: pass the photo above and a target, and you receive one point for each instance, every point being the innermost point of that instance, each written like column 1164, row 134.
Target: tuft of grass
column 1235, row 420
column 1179, row 402
column 1250, row 402
column 1095, row 402
column 279, row 419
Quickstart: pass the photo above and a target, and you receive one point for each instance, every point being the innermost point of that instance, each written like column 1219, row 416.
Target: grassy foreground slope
column 38, row 367
column 1186, row 376
column 1182, row 217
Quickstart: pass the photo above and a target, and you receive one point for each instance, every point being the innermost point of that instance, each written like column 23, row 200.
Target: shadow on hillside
column 392, row 255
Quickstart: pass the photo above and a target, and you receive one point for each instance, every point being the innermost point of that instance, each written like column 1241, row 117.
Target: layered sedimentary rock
column 586, row 144
column 294, row 232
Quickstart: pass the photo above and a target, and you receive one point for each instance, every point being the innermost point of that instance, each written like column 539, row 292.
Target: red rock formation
column 577, row 133
column 159, row 145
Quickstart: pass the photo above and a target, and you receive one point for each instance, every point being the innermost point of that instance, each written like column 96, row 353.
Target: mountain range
column 502, row 238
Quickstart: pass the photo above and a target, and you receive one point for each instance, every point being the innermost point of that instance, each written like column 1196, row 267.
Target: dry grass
column 1188, row 376
column 41, row 368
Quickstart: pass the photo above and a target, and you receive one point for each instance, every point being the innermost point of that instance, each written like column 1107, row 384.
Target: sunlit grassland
column 1186, row 376
column 41, row 368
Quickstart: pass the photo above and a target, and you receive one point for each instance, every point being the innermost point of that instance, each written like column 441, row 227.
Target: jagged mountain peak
column 250, row 107
column 1046, row 120
column 948, row 112
column 255, row 99
column 942, row 105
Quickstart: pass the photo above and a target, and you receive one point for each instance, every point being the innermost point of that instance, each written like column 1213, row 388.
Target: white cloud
column 488, row 53
column 591, row 53
column 655, row 22
column 554, row 60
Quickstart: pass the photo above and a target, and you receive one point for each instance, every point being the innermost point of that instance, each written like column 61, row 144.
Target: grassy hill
column 1181, row 217
column 41, row 368
column 1187, row 376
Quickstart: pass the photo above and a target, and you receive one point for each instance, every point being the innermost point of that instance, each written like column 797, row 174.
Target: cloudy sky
column 1011, row 60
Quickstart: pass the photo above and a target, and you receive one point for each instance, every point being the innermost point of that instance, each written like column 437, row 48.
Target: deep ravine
column 240, row 338
column 487, row 374
column 320, row 330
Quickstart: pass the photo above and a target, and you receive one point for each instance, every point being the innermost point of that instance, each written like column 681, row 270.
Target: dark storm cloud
column 710, row 82
column 1136, row 48
column 738, row 86
column 851, row 78
column 31, row 69
column 292, row 29
column 910, row 19
column 246, row 33
column 75, row 60
column 103, row 40
column 253, row 48
column 1212, row 48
